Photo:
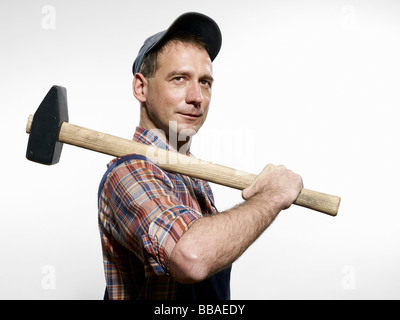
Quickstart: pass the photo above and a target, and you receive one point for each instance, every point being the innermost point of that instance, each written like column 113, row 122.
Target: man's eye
column 206, row 83
column 179, row 79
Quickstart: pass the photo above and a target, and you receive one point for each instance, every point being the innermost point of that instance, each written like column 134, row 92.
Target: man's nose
column 194, row 95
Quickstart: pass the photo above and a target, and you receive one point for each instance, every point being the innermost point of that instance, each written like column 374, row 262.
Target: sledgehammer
column 49, row 129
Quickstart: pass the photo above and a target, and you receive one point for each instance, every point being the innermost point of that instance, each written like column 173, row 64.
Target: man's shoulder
column 135, row 163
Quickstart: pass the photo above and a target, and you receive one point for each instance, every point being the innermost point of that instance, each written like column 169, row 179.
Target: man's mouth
column 190, row 115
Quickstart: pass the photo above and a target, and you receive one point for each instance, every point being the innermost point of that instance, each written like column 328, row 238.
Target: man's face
column 180, row 90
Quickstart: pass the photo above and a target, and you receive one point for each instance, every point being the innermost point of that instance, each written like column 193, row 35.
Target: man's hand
column 275, row 184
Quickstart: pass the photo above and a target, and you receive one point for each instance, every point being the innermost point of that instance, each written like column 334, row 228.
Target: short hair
column 149, row 64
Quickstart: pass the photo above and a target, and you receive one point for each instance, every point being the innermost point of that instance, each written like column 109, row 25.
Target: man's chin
column 183, row 130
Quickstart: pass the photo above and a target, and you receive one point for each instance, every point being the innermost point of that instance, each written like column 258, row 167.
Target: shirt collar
column 154, row 137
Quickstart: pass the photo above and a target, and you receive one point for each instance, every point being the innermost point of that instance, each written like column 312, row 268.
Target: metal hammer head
column 43, row 144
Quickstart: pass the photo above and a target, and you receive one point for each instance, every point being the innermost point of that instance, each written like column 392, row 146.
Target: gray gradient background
column 313, row 85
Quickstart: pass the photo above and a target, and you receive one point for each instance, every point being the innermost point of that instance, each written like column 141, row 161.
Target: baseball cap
column 193, row 22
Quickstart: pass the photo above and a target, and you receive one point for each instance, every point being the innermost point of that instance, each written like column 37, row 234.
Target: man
column 162, row 237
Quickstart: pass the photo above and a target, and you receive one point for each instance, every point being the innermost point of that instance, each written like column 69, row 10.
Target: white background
column 310, row 84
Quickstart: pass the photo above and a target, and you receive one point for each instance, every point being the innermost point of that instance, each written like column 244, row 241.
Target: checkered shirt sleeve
column 148, row 212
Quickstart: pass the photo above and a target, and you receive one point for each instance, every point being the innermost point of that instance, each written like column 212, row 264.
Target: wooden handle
column 179, row 163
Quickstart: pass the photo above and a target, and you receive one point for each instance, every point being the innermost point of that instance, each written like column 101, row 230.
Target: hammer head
column 43, row 144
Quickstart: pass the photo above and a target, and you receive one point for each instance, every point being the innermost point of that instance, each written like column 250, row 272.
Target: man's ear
column 139, row 87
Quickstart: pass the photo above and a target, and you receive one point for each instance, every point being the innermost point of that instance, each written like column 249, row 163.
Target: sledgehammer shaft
column 179, row 163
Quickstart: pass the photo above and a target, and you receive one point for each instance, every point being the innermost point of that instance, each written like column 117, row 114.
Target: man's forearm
column 215, row 242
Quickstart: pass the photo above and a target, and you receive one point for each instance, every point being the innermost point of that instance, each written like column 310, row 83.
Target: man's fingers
column 276, row 182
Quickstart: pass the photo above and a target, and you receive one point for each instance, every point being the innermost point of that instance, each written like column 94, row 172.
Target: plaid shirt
column 143, row 212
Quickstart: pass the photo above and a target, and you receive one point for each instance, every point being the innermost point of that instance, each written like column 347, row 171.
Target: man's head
column 173, row 79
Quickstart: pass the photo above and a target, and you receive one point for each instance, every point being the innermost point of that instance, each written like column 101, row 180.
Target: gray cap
column 193, row 22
